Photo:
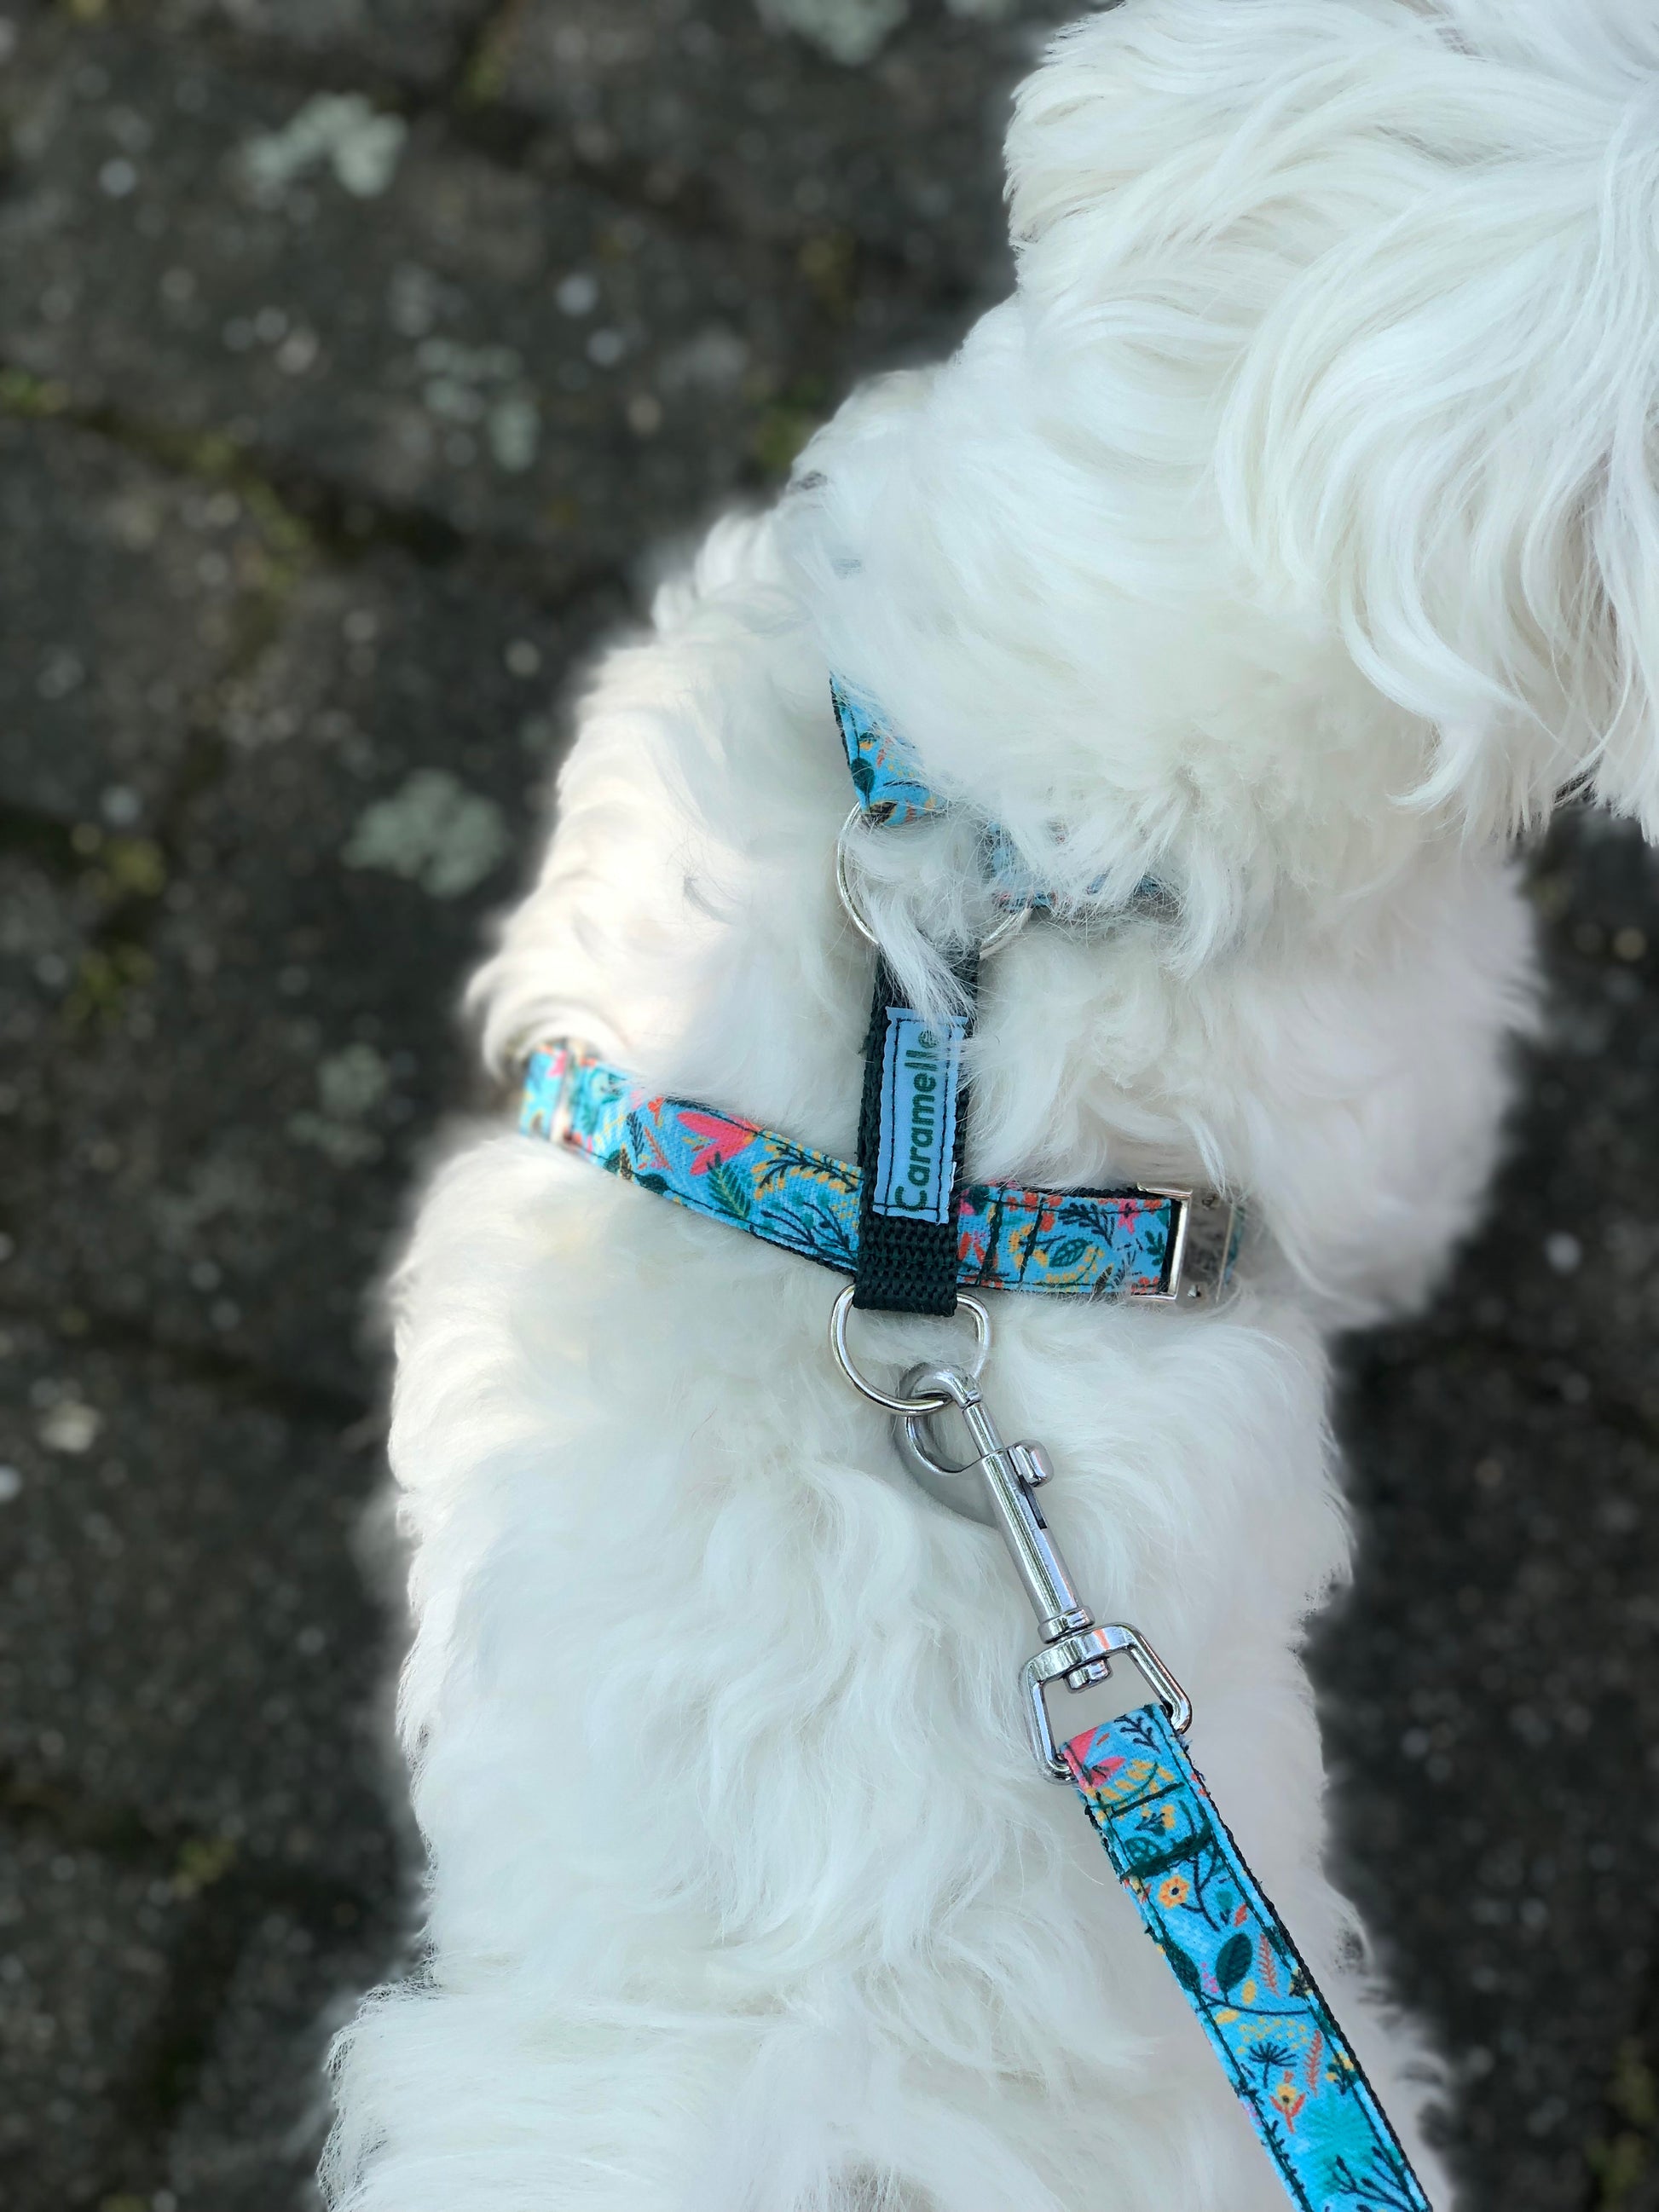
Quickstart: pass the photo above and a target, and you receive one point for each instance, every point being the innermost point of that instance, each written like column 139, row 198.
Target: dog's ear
column 1407, row 254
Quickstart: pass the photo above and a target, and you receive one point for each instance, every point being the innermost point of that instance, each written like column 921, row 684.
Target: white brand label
column 921, row 1069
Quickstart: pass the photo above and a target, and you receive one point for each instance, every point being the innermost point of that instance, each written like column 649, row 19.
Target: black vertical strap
column 912, row 1126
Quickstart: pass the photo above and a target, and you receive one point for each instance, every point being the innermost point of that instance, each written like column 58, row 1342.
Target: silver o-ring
column 934, row 1403
column 1009, row 926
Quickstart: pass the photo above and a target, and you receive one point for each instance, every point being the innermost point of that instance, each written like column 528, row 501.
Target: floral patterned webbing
column 888, row 782
column 882, row 768
column 1290, row 2063
column 1086, row 1243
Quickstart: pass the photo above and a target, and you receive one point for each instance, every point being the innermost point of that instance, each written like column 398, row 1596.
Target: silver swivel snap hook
column 997, row 1487
column 954, row 1486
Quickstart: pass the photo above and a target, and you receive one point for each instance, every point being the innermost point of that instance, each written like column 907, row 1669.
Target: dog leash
column 914, row 1237
column 1279, row 2044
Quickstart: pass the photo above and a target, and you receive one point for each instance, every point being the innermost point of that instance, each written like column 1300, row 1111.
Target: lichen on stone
column 431, row 831
column 342, row 129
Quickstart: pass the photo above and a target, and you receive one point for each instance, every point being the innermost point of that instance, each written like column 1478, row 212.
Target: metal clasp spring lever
column 1076, row 1650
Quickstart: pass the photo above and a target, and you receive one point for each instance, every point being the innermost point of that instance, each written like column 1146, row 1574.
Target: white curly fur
column 1290, row 536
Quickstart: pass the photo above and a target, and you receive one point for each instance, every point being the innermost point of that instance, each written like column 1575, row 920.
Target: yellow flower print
column 1174, row 1889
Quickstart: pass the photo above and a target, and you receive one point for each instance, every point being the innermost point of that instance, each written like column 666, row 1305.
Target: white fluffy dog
column 1290, row 537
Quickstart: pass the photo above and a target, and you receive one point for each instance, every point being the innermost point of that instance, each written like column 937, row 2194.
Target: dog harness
column 916, row 1238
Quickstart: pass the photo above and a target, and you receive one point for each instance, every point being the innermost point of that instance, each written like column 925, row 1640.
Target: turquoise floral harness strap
column 1136, row 1244
column 890, row 788
column 1290, row 2064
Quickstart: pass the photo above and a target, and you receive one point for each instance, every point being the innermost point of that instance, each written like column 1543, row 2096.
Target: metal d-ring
column 938, row 1401
column 1009, row 926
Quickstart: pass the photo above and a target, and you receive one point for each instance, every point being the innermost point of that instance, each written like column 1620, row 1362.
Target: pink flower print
column 1096, row 1773
column 722, row 1139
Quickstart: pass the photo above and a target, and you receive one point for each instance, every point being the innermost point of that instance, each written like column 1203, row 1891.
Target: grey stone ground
column 351, row 352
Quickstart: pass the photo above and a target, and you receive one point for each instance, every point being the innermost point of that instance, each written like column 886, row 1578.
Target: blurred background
column 353, row 353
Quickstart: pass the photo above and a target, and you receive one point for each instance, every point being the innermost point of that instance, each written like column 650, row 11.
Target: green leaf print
column 1232, row 1962
column 733, row 1195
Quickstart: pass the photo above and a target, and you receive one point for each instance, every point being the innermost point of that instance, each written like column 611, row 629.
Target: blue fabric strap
column 1290, row 2066
column 1078, row 1243
column 883, row 769
column 890, row 788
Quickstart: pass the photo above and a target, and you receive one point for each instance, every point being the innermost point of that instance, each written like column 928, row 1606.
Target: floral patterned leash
column 1290, row 2066
column 1289, row 2062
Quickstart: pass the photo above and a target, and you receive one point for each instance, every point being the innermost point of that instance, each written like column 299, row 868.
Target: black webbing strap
column 912, row 1125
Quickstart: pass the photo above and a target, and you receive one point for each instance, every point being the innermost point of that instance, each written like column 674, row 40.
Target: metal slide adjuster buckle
column 1077, row 1651
column 1201, row 1241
